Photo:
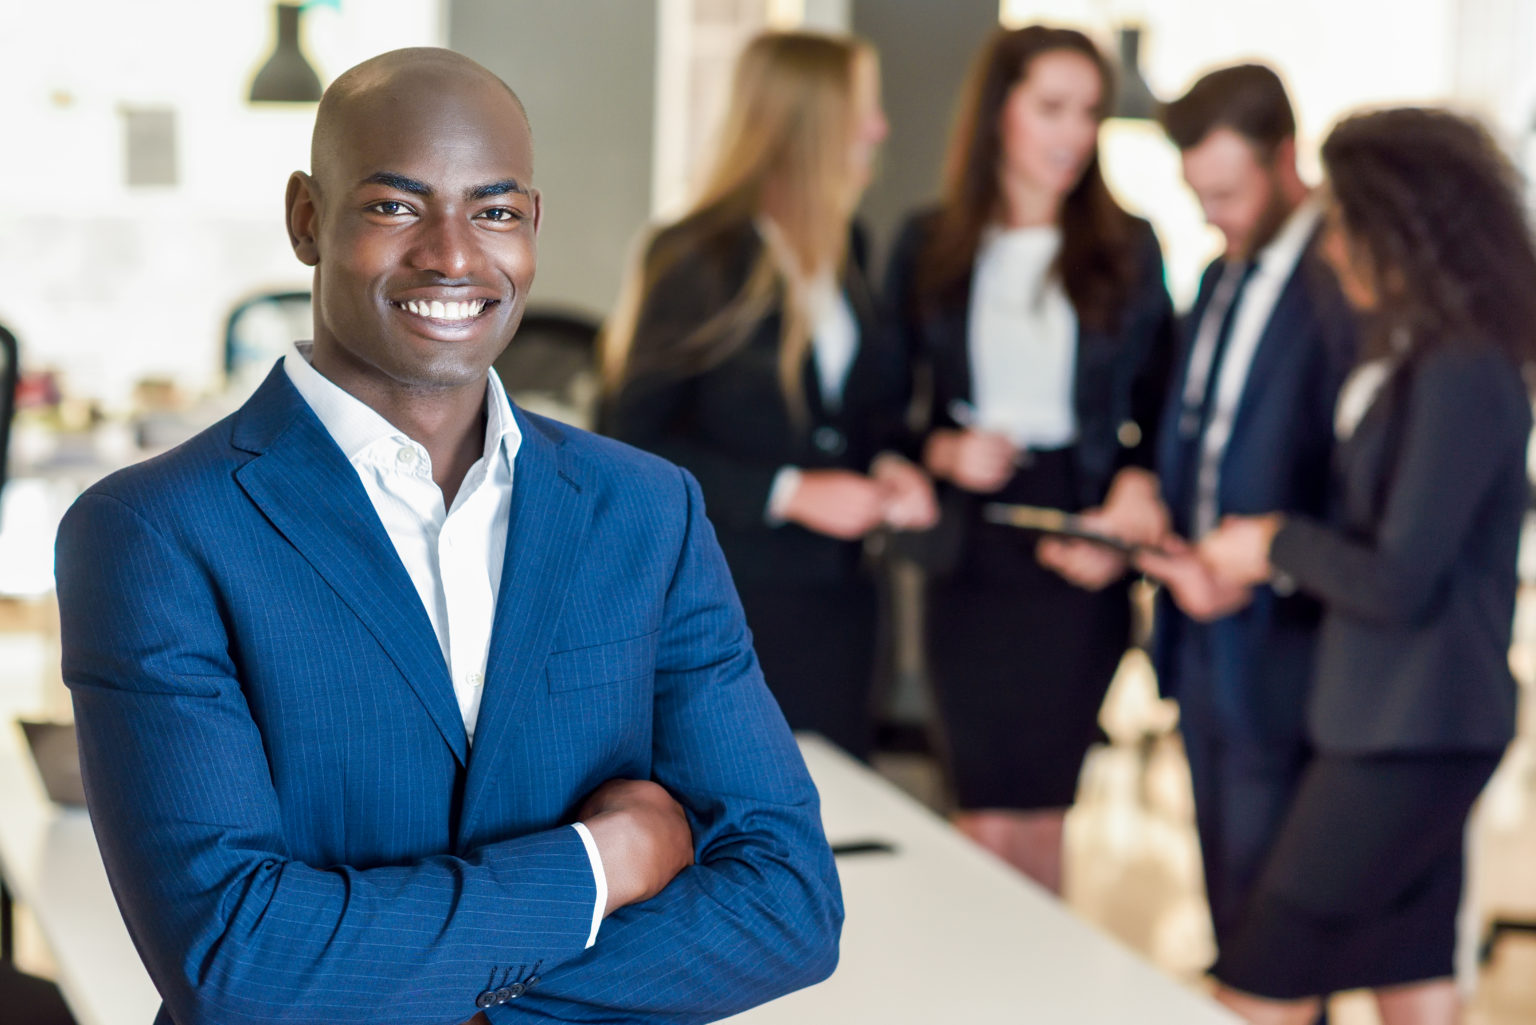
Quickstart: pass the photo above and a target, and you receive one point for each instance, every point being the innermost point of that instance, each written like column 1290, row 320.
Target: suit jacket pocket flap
column 597, row 664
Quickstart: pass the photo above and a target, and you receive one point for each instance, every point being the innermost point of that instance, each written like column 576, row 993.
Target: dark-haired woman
column 1037, row 306
column 1413, row 701
column 747, row 351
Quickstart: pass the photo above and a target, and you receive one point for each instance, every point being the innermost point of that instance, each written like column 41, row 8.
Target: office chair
column 10, row 374
column 550, row 368
column 259, row 330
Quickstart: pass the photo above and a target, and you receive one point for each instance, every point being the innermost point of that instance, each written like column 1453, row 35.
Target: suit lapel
column 1277, row 341
column 304, row 485
column 545, row 532
column 1171, row 444
column 950, row 344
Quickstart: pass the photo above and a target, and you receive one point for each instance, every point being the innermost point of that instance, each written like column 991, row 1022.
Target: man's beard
column 1276, row 212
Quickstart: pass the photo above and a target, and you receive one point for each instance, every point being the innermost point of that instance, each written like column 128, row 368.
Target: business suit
column 1413, row 701
column 293, row 821
column 809, row 598
column 1242, row 680
column 1020, row 659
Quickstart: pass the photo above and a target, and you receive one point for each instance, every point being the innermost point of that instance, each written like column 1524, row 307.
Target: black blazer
column 1121, row 375
column 1277, row 459
column 731, row 427
column 1417, row 571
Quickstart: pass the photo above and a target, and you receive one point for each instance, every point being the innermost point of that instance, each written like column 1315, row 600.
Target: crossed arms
column 236, row 930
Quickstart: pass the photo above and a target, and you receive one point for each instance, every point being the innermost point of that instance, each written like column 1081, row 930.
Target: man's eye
column 389, row 207
column 502, row 214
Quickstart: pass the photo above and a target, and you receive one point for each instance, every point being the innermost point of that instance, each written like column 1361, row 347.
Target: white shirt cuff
column 785, row 483
column 598, row 876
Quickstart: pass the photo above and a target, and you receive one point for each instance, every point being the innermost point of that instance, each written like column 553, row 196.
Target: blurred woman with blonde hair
column 745, row 349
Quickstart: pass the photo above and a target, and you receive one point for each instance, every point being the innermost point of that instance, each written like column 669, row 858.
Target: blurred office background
column 143, row 201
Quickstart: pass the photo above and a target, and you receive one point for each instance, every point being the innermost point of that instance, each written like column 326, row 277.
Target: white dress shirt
column 834, row 336
column 1276, row 263
column 1022, row 339
column 453, row 556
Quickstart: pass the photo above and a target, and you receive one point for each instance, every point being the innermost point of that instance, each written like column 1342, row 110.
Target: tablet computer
column 1052, row 521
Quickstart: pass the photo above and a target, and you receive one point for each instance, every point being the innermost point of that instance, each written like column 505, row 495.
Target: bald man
column 399, row 704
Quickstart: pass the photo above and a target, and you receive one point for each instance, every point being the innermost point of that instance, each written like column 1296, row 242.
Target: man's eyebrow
column 398, row 181
column 500, row 188
column 392, row 180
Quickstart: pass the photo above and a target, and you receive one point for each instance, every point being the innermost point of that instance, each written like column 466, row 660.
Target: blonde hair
column 783, row 146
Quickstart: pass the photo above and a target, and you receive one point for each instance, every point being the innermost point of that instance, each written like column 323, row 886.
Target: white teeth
column 445, row 311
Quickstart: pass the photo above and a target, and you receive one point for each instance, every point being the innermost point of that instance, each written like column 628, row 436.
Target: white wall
column 586, row 70
column 108, row 283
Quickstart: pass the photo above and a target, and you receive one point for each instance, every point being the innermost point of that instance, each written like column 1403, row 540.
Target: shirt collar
column 356, row 427
column 1285, row 248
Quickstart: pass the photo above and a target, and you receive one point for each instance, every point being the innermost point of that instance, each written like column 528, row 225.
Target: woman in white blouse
column 1038, row 308
column 745, row 351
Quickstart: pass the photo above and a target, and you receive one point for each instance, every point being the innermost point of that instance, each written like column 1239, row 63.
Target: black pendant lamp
column 287, row 76
column 1133, row 98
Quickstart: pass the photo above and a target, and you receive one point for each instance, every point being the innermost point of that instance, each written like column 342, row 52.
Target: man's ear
column 1285, row 152
column 302, row 218
column 538, row 210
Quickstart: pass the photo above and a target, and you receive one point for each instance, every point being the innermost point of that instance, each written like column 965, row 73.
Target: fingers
column 983, row 461
column 1087, row 565
column 908, row 500
column 642, row 836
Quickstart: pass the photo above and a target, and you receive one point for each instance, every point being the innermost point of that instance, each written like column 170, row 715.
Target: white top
column 834, row 345
column 834, row 336
column 1022, row 339
column 1276, row 263
column 1358, row 395
column 453, row 556
column 834, row 328
column 1363, row 385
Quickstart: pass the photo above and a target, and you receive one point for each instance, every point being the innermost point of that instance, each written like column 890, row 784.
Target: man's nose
column 445, row 245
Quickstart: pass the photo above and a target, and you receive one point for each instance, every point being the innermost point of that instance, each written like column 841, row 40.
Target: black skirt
column 1362, row 886
column 816, row 644
column 1020, row 659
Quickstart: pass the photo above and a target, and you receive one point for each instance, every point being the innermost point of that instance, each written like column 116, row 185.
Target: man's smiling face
column 420, row 220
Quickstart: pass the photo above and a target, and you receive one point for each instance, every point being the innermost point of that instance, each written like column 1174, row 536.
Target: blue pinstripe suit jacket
column 292, row 821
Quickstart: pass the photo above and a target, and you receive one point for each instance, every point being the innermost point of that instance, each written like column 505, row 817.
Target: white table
column 940, row 931
column 50, row 863
column 936, row 931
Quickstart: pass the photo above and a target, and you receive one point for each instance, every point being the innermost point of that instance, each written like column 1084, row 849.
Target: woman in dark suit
column 1413, row 701
column 747, row 352
column 1038, row 309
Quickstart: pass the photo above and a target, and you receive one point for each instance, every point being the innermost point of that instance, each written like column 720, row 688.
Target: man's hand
column 1199, row 593
column 642, row 837
column 908, row 493
column 838, row 503
column 1238, row 550
column 1134, row 509
column 976, row 460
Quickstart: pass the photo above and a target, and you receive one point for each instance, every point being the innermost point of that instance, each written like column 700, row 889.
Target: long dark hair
column 1096, row 263
column 1432, row 208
